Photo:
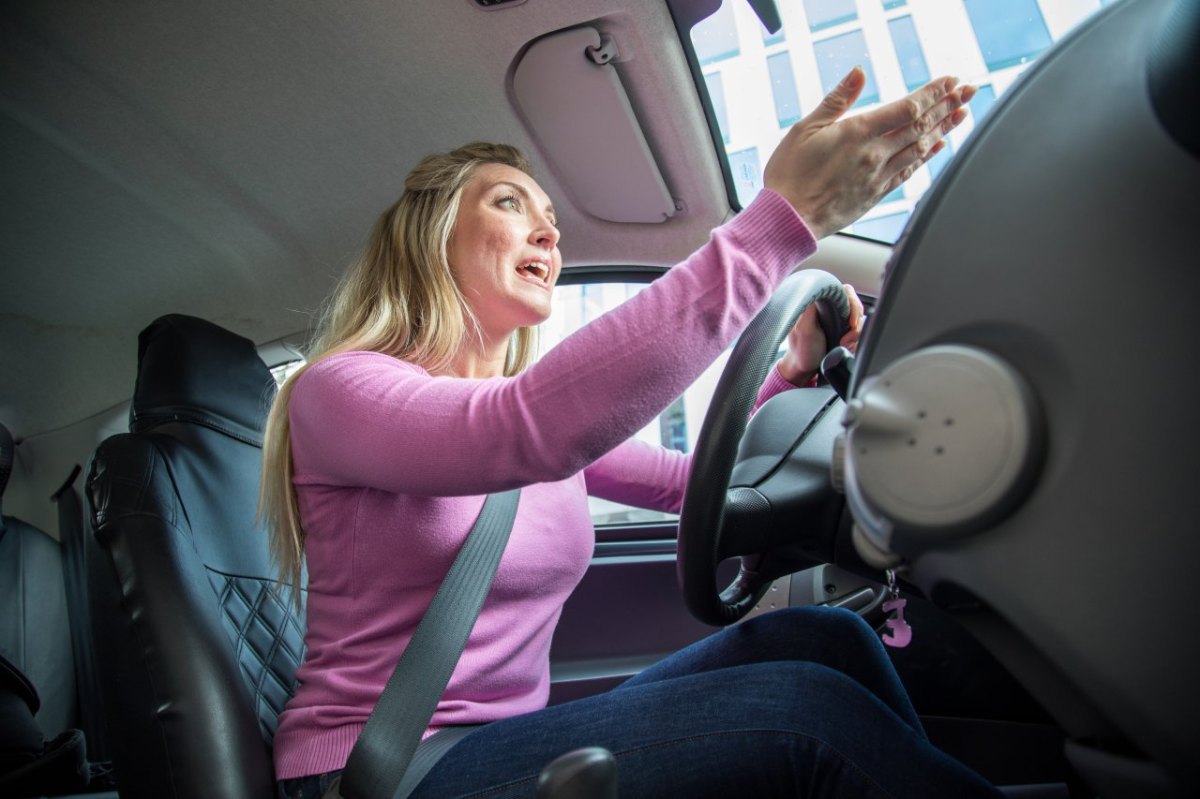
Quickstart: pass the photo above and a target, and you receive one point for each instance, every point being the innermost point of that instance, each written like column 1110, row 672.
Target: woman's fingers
column 929, row 114
column 907, row 161
column 908, row 110
column 916, row 143
column 933, row 121
column 841, row 99
column 856, row 308
column 925, row 144
column 832, row 169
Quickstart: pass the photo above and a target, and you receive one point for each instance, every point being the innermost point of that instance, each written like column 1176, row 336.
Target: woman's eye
column 510, row 201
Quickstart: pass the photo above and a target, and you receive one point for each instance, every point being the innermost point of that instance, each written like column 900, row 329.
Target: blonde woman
column 420, row 399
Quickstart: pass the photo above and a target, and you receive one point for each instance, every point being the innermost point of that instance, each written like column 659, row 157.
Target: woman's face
column 504, row 249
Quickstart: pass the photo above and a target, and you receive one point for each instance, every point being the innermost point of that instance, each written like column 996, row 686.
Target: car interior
column 1010, row 448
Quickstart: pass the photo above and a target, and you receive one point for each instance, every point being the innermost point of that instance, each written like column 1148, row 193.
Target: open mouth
column 536, row 270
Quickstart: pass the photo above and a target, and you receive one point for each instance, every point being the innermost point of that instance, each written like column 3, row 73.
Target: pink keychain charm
column 899, row 634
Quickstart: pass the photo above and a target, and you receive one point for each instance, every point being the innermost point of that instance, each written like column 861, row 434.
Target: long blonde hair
column 398, row 298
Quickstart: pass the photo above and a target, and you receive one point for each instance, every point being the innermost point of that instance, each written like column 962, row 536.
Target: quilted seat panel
column 267, row 638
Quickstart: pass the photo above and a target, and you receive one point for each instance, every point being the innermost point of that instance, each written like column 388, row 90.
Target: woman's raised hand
column 833, row 170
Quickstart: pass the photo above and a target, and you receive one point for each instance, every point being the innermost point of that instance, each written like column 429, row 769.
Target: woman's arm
column 651, row 476
column 366, row 419
column 356, row 420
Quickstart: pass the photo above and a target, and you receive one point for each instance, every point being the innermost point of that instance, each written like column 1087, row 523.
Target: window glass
column 783, row 89
column 936, row 164
column 772, row 38
column 715, row 37
column 826, row 13
column 716, row 93
column 285, row 370
column 826, row 38
column 883, row 228
column 1009, row 33
column 747, row 174
column 982, row 102
column 908, row 51
column 672, row 426
column 837, row 55
column 676, row 428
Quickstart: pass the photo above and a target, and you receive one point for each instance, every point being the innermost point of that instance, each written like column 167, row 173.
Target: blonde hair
column 398, row 298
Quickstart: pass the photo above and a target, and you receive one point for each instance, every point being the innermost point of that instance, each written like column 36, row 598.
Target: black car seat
column 35, row 633
column 72, row 528
column 196, row 646
column 40, row 751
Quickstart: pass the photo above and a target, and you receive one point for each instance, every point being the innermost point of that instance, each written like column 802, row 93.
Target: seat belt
column 380, row 758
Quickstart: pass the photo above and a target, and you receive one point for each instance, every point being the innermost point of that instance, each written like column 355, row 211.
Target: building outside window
column 672, row 426
column 716, row 94
column 982, row 102
column 837, row 55
column 827, row 13
column 939, row 162
column 899, row 43
column 747, row 174
column 715, row 38
column 783, row 89
column 908, row 51
column 1012, row 32
column 772, row 38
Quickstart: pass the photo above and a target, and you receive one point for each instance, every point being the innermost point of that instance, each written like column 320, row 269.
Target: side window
column 716, row 93
column 285, row 370
column 677, row 427
column 900, row 44
column 1008, row 34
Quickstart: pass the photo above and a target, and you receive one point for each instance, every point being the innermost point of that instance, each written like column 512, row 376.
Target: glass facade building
column 762, row 83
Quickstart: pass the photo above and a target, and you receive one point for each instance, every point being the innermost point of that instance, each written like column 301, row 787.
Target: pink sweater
column 392, row 465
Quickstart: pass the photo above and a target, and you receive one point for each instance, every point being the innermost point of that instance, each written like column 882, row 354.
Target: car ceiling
column 226, row 159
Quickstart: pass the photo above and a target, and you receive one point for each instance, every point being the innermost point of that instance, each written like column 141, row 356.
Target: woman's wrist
column 793, row 373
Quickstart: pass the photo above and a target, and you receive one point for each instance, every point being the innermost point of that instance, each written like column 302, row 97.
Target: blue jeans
column 802, row 702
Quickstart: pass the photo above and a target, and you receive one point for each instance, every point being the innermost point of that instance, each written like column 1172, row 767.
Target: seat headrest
column 190, row 370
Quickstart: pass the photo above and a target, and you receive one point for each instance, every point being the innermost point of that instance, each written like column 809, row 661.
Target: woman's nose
column 545, row 235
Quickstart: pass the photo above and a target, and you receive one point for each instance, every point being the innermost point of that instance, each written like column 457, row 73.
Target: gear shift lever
column 837, row 367
column 589, row 773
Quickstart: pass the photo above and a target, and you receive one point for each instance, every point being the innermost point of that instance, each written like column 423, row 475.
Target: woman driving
column 421, row 397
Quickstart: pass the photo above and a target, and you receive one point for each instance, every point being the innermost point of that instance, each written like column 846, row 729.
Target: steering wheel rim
column 702, row 517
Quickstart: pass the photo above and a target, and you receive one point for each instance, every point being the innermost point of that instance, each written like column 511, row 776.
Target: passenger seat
column 197, row 645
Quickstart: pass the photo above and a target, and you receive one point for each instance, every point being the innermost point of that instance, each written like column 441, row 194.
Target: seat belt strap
column 381, row 755
column 428, row 753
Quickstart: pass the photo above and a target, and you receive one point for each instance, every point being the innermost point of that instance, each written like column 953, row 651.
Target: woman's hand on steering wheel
column 806, row 344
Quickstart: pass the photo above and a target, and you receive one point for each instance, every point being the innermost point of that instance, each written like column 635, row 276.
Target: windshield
column 759, row 83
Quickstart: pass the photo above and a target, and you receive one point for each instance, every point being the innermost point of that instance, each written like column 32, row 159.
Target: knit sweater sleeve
column 650, row 476
column 366, row 419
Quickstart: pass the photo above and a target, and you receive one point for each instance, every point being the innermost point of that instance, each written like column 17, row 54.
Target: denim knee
column 770, row 726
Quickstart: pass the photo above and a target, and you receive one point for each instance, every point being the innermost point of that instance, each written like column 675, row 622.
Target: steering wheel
column 707, row 496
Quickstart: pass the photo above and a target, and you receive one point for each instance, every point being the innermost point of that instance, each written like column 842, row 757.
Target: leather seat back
column 197, row 647
column 35, row 632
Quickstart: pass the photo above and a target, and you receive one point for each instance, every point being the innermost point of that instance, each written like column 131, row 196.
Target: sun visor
column 572, row 99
